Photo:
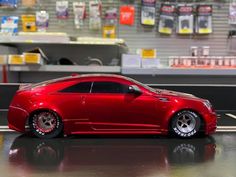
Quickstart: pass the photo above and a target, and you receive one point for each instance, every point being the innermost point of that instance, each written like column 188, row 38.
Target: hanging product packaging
column 28, row 3
column 232, row 13
column 167, row 16
column 185, row 19
column 42, row 21
column 9, row 25
column 127, row 15
column 204, row 19
column 95, row 13
column 8, row 3
column 62, row 9
column 111, row 16
column 148, row 12
column 28, row 23
column 109, row 31
column 79, row 9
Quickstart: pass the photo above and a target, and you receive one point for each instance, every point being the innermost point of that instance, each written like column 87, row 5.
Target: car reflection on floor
column 68, row 154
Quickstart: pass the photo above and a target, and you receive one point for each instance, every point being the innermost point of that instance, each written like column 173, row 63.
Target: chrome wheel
column 46, row 122
column 186, row 123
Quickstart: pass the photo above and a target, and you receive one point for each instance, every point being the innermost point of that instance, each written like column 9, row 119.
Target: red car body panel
column 106, row 113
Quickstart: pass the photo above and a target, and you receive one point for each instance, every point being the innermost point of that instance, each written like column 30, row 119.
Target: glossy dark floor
column 24, row 156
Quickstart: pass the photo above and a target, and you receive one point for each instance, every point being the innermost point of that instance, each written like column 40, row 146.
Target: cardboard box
column 32, row 58
column 3, row 60
column 16, row 60
column 150, row 63
column 131, row 61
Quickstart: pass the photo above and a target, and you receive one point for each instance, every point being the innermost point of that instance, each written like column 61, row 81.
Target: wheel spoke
column 46, row 122
column 186, row 123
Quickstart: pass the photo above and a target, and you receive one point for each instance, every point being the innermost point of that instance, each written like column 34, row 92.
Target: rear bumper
column 17, row 118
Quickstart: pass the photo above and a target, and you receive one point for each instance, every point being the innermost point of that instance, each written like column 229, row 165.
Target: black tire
column 185, row 124
column 50, row 130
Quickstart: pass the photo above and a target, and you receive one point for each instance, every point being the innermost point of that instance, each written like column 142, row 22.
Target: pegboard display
column 138, row 36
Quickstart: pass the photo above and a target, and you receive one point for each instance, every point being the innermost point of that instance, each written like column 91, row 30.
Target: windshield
column 143, row 85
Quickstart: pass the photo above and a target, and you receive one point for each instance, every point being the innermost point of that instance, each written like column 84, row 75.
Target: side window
column 83, row 87
column 109, row 87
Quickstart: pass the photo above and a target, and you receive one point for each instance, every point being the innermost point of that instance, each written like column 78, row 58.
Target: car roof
column 75, row 77
column 97, row 76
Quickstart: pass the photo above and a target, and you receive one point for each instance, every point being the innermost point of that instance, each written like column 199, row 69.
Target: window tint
column 109, row 87
column 83, row 87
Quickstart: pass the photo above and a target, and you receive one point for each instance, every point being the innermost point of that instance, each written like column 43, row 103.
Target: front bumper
column 211, row 123
column 17, row 118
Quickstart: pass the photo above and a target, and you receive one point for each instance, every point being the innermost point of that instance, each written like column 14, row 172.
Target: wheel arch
column 55, row 111
column 173, row 114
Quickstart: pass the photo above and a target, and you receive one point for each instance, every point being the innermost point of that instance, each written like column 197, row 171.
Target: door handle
column 83, row 99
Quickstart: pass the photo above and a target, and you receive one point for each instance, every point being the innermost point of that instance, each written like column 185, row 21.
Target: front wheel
column 45, row 124
column 185, row 124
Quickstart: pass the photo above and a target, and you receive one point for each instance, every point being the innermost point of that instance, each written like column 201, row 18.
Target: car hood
column 177, row 94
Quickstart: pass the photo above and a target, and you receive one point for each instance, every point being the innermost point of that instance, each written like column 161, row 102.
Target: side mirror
column 134, row 90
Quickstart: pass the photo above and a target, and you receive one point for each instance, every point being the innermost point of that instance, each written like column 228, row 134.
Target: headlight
column 208, row 104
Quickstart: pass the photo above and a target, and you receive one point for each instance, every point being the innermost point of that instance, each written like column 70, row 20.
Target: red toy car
column 107, row 104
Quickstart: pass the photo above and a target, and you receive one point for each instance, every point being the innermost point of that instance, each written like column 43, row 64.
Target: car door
column 112, row 108
column 72, row 103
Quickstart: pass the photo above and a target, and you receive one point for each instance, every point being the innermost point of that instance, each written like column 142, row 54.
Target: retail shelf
column 175, row 71
column 60, row 68
column 19, row 40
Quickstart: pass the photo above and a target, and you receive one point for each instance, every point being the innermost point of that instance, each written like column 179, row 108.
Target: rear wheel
column 45, row 124
column 186, row 124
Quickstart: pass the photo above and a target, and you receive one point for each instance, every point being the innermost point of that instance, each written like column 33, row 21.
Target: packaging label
column 127, row 15
column 148, row 53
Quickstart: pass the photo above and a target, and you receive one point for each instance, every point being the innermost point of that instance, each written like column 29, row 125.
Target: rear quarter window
column 83, row 87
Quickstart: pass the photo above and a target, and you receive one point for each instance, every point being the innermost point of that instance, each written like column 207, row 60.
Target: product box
column 131, row 61
column 9, row 3
column 32, row 58
column 3, row 60
column 28, row 3
column 9, row 24
column 42, row 20
column 28, row 23
column 150, row 63
column 16, row 60
column 109, row 31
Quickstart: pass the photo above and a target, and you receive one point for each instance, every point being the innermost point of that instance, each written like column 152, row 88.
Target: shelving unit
column 69, row 69
column 175, row 72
